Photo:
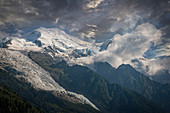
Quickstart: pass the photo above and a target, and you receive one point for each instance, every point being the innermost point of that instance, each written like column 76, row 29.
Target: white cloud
column 91, row 4
column 130, row 46
column 31, row 10
column 152, row 66
column 56, row 21
column 91, row 25
column 90, row 33
column 125, row 48
column 158, row 65
column 163, row 50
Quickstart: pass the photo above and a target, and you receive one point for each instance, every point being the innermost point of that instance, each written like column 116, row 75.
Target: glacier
column 23, row 67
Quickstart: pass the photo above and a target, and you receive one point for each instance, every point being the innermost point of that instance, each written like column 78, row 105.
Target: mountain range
column 74, row 50
column 58, row 72
column 107, row 97
column 126, row 76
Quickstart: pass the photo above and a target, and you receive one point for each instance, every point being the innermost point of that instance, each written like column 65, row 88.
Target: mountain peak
column 101, row 65
column 125, row 66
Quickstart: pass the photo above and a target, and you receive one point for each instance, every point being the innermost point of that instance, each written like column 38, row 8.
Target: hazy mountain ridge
column 125, row 75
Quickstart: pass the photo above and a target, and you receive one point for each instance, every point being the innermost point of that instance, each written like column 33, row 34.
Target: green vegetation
column 42, row 99
column 107, row 97
column 10, row 102
column 127, row 76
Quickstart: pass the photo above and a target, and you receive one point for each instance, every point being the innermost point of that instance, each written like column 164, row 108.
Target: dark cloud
column 110, row 16
column 113, row 17
column 32, row 12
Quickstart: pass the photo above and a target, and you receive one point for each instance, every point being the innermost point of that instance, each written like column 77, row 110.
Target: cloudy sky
column 139, row 29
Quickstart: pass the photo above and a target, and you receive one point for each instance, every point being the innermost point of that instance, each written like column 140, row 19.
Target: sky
column 139, row 29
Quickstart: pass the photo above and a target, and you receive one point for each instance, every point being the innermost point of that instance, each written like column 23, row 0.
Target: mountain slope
column 43, row 99
column 28, row 71
column 102, row 68
column 162, row 77
column 127, row 76
column 10, row 102
column 107, row 97
column 25, row 68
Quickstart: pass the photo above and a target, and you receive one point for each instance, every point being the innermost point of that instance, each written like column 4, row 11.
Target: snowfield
column 57, row 43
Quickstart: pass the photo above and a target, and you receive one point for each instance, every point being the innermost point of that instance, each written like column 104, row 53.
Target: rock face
column 26, row 69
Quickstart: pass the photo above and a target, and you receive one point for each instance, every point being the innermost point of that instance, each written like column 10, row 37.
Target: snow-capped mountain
column 23, row 67
column 53, row 39
column 56, row 42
